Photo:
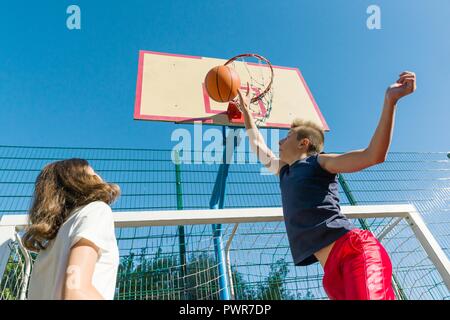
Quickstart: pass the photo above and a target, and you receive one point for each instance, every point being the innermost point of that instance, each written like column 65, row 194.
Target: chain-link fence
column 180, row 262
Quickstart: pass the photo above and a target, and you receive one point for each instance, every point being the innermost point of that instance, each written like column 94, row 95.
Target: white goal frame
column 11, row 224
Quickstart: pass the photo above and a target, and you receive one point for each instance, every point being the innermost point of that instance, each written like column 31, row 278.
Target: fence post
column 181, row 233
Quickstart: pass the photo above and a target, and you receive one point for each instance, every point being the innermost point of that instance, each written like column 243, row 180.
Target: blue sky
column 77, row 88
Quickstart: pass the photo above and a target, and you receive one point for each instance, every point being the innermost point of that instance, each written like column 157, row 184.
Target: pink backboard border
column 137, row 105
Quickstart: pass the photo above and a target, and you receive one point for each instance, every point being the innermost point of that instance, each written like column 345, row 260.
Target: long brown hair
column 60, row 188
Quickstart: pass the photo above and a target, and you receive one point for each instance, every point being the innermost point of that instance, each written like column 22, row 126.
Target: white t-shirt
column 93, row 222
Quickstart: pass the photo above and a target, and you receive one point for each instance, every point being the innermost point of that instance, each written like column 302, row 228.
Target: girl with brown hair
column 71, row 227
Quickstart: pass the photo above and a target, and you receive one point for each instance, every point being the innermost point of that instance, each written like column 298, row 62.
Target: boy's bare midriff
column 322, row 254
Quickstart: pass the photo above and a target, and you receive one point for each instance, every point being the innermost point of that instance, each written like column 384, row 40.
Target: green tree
column 13, row 277
column 273, row 288
column 161, row 277
column 9, row 282
column 140, row 278
column 242, row 290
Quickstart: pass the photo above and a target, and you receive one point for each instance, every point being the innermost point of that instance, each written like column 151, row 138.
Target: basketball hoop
column 260, row 82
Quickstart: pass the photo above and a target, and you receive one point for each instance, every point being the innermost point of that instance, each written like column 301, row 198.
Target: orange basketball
column 222, row 83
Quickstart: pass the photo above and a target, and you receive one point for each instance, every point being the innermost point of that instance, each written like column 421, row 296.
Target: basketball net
column 260, row 81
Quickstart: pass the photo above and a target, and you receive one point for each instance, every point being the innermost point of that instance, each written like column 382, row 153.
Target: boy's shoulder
column 321, row 159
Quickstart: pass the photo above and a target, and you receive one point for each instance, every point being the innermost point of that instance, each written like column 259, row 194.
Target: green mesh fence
column 154, row 265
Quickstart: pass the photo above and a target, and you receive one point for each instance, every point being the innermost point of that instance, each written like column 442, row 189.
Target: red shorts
column 358, row 268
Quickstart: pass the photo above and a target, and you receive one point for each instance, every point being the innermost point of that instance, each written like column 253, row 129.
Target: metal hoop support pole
column 217, row 202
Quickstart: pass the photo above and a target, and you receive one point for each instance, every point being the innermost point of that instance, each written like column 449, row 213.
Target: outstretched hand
column 405, row 85
column 244, row 101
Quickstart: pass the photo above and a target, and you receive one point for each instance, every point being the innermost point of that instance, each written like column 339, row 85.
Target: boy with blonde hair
column 356, row 266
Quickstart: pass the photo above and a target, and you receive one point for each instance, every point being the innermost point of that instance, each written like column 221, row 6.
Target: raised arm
column 257, row 143
column 378, row 148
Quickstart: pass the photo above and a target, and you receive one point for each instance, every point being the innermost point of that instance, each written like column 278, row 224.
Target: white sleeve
column 95, row 222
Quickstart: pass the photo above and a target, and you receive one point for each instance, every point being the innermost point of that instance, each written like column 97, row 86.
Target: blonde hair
column 312, row 131
column 60, row 188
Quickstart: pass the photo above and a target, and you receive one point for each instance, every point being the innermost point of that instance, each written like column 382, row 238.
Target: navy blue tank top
column 311, row 209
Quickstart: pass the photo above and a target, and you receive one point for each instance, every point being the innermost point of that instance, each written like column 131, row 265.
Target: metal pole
column 227, row 253
column 181, row 234
column 217, row 202
column 352, row 200
column 431, row 246
column 27, row 271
